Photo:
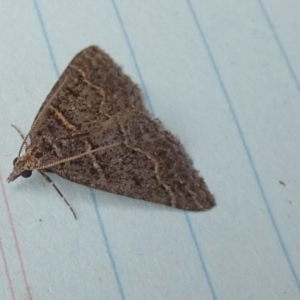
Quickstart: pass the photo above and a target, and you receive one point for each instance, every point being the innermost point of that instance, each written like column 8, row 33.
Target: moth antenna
column 58, row 191
column 47, row 177
column 49, row 166
column 21, row 134
column 41, row 114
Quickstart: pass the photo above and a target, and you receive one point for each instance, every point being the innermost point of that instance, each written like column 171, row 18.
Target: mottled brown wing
column 92, row 88
column 150, row 164
column 96, row 105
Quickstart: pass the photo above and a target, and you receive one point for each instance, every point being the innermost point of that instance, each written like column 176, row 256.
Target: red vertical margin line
column 7, row 271
column 15, row 238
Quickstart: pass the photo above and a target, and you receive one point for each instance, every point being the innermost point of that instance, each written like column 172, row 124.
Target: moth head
column 23, row 166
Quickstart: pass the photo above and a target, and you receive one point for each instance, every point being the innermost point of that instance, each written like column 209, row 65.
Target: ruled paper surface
column 224, row 76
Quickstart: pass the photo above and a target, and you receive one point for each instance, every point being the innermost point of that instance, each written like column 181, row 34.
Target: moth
column 94, row 129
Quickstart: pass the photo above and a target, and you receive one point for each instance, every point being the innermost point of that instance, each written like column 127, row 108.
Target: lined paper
column 224, row 77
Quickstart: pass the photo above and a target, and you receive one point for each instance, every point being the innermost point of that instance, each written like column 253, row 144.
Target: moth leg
column 58, row 191
column 45, row 176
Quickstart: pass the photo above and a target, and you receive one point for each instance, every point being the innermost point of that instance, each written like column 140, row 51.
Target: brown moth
column 94, row 129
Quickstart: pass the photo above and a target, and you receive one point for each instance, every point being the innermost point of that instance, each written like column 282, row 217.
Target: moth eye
column 26, row 173
column 15, row 160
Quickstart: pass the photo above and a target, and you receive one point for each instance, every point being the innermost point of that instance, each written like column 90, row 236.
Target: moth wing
column 150, row 164
column 93, row 105
column 90, row 90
